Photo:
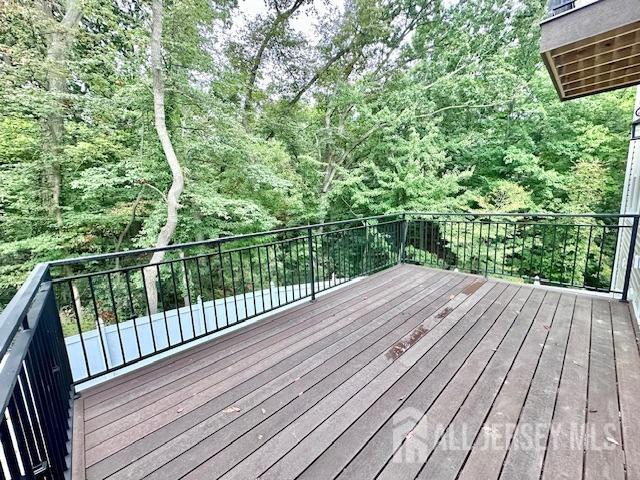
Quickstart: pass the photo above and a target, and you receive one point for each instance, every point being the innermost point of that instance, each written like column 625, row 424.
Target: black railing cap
column 18, row 307
column 215, row 241
column 221, row 240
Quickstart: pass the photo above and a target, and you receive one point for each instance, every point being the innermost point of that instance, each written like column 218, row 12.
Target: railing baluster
column 630, row 256
column 286, row 272
column 266, row 249
column 275, row 259
column 213, row 292
column 81, row 336
column 316, row 257
column 564, row 252
column 132, row 311
column 542, row 250
column 146, row 299
column 312, row 273
column 7, row 445
column 553, row 251
column 100, row 334
column 586, row 258
column 188, row 299
column 253, row 283
column 613, row 257
column 115, row 314
column 533, row 249
column 164, row 310
column 202, row 296
column 264, row 305
column 233, row 286
column 244, row 285
column 522, row 251
column 575, row 256
column 175, row 298
column 21, row 436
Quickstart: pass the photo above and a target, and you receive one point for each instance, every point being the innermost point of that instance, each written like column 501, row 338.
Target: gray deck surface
column 410, row 373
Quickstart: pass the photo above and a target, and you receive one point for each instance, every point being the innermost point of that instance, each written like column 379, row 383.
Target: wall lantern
column 635, row 126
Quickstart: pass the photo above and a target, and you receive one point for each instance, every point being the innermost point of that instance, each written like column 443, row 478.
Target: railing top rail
column 215, row 241
column 220, row 240
column 528, row 214
column 18, row 306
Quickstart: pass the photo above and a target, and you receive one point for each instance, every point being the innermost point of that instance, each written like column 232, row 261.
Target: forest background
column 374, row 106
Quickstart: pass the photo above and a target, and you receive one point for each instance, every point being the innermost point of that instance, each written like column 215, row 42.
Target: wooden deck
column 410, row 373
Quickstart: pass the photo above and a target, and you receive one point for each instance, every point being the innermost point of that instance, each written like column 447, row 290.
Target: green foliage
column 394, row 105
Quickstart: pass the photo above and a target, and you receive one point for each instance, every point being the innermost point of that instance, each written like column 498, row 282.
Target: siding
column 630, row 203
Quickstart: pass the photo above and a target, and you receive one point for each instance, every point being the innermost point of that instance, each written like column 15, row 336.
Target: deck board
column 494, row 354
column 317, row 391
column 571, row 405
column 288, row 404
column 604, row 457
column 209, row 379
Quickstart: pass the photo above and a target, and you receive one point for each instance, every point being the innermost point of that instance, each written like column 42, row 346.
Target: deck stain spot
column 444, row 313
column 403, row 345
column 470, row 289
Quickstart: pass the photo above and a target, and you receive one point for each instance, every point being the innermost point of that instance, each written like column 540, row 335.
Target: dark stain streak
column 470, row 289
column 444, row 313
column 403, row 345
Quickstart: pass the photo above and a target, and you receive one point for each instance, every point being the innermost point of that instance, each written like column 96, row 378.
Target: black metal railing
column 78, row 319
column 36, row 384
column 575, row 251
column 117, row 309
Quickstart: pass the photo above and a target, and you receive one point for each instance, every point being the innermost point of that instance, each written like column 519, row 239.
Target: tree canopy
column 387, row 105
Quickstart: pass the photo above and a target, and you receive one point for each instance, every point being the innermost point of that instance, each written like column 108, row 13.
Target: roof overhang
column 593, row 48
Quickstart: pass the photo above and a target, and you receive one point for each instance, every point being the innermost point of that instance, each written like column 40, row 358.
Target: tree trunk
column 177, row 183
column 57, row 49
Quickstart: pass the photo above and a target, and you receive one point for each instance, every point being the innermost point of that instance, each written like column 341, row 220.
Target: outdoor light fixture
column 635, row 126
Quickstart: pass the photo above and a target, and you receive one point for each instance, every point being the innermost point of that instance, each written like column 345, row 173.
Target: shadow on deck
column 410, row 373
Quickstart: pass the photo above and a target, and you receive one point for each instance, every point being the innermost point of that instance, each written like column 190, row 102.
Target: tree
column 177, row 182
column 388, row 105
column 58, row 44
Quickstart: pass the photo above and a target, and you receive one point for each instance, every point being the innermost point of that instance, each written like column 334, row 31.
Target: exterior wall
column 630, row 204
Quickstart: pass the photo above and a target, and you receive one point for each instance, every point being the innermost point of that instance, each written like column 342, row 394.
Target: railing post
column 312, row 271
column 365, row 257
column 403, row 238
column 632, row 248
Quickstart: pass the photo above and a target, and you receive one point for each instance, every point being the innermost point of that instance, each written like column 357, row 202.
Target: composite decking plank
column 340, row 386
column 280, row 410
column 564, row 456
column 231, row 456
column 491, row 441
column 179, row 380
column 360, row 428
column 240, row 343
column 446, row 464
column 118, row 434
column 604, row 457
column 367, row 384
column 419, row 436
column 367, row 444
column 628, row 370
column 332, row 369
column 78, row 466
column 330, row 298
column 197, row 425
column 118, row 420
column 526, row 454
column 98, row 405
